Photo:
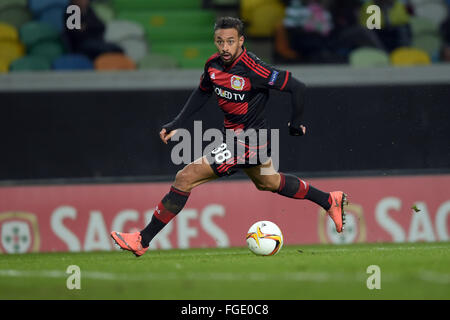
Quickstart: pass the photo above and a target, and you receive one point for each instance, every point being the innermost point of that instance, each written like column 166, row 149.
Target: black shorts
column 239, row 152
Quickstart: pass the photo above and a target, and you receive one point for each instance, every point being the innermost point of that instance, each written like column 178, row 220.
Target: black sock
column 293, row 187
column 165, row 211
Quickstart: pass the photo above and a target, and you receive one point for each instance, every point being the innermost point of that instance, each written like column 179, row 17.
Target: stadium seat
column 104, row 11
column 114, row 61
column 34, row 31
column 8, row 32
column 134, row 48
column 421, row 25
column 158, row 61
column 435, row 11
column 409, row 57
column 13, row 3
column 47, row 49
column 262, row 16
column 130, row 36
column 180, row 19
column 173, row 33
column 138, row 5
column 186, row 53
column 30, row 63
column 11, row 50
column 53, row 16
column 39, row 6
column 4, row 65
column 72, row 62
column 368, row 57
column 118, row 30
column 15, row 15
column 428, row 43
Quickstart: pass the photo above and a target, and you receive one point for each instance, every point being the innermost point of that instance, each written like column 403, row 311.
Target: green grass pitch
column 407, row 271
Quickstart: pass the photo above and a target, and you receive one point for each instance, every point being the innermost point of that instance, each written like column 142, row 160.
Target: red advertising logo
column 218, row 214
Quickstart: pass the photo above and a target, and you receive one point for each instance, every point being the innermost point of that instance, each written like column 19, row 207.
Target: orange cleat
column 336, row 211
column 130, row 242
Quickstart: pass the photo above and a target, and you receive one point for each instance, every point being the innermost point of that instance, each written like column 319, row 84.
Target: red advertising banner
column 218, row 214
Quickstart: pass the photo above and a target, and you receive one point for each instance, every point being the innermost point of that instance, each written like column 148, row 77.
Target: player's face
column 228, row 43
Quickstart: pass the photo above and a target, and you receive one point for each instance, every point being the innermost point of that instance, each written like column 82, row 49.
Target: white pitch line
column 429, row 276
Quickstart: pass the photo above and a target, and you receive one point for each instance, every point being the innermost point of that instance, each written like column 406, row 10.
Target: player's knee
column 266, row 186
column 183, row 180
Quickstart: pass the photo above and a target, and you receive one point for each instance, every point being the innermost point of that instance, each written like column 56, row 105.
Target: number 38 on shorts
column 221, row 153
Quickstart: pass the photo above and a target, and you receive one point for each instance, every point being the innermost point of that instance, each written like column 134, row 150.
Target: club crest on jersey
column 237, row 83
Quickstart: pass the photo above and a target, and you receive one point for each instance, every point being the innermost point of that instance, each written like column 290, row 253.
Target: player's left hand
column 293, row 131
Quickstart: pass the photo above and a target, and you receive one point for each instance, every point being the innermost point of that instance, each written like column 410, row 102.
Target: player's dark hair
column 230, row 22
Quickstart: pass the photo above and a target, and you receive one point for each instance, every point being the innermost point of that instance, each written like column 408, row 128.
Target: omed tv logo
column 19, row 232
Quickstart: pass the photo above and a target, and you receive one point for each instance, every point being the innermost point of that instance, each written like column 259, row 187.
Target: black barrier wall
column 50, row 135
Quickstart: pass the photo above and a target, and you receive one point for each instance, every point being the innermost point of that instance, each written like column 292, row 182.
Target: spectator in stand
column 445, row 35
column 89, row 39
column 395, row 29
column 303, row 34
column 348, row 34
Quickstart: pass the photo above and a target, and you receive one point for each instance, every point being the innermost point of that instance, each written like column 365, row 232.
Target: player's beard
column 231, row 58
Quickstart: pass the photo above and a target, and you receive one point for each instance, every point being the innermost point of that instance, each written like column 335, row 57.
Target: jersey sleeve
column 206, row 84
column 264, row 76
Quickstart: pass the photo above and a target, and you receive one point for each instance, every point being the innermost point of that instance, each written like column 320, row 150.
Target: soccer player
column 241, row 82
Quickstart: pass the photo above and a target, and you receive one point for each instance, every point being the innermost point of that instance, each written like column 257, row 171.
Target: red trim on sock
column 282, row 182
column 162, row 214
column 302, row 189
column 183, row 193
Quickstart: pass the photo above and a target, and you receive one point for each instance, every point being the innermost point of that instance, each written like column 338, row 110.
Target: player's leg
column 173, row 202
column 266, row 178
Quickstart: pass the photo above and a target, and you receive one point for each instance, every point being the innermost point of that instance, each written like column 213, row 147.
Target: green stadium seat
column 30, row 63
column 13, row 3
column 34, row 32
column 16, row 16
column 187, row 54
column 125, row 5
column 104, row 11
column 428, row 43
column 158, row 61
column 47, row 49
column 421, row 25
column 368, row 57
column 173, row 33
column 180, row 19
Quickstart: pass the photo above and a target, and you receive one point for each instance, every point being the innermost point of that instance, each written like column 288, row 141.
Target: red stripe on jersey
column 231, row 125
column 253, row 62
column 285, row 80
column 233, row 107
column 237, row 60
column 253, row 147
column 223, row 79
column 215, row 55
column 256, row 67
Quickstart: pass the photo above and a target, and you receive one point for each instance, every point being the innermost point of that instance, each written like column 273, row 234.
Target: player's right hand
column 297, row 131
column 165, row 136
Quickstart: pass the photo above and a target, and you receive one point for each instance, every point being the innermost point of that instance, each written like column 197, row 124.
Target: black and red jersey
column 242, row 88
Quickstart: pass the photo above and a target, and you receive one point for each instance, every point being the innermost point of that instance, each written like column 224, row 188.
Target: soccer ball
column 264, row 238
